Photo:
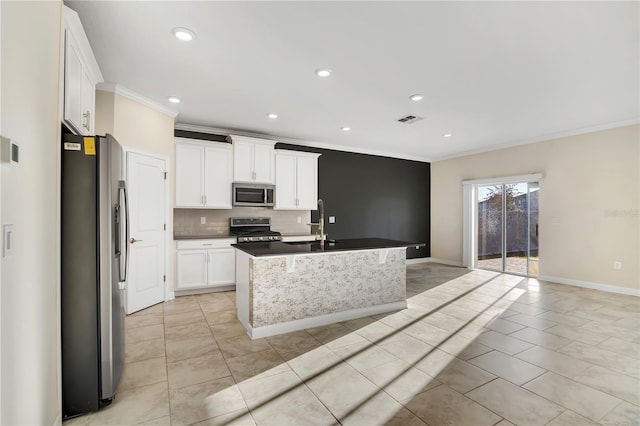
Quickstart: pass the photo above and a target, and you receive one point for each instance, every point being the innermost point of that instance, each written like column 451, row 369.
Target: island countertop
column 278, row 248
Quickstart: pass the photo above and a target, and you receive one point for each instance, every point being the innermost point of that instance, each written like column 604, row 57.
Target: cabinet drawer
column 205, row 244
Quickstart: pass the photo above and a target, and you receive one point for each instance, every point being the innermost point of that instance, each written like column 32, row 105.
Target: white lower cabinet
column 192, row 269
column 202, row 264
column 222, row 267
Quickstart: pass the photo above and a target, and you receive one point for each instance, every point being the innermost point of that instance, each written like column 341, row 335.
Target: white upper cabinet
column 286, row 194
column 296, row 180
column 189, row 175
column 204, row 173
column 253, row 159
column 218, row 175
column 81, row 74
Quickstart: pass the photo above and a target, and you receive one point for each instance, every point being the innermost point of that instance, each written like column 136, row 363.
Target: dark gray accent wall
column 373, row 196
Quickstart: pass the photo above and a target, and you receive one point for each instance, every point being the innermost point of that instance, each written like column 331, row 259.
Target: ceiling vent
column 408, row 119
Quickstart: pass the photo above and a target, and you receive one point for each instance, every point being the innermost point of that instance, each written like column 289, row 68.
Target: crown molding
column 300, row 142
column 136, row 97
column 544, row 138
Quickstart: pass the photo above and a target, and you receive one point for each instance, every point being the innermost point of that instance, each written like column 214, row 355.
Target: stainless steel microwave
column 253, row 194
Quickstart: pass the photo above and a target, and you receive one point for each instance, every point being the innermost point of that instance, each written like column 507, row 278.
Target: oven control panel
column 256, row 238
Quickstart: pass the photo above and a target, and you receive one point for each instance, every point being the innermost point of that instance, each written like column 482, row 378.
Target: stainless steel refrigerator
column 94, row 257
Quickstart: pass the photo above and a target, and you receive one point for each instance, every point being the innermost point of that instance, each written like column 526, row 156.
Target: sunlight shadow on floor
column 366, row 374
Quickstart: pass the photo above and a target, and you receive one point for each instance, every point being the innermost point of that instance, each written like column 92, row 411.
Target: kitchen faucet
column 320, row 223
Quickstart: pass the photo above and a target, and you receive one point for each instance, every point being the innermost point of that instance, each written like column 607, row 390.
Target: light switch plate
column 8, row 240
column 9, row 150
column 332, row 219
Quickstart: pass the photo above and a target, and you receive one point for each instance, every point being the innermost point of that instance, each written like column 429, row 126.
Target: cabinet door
column 191, row 269
column 243, row 162
column 263, row 163
column 88, row 103
column 222, row 267
column 73, row 75
column 285, row 182
column 218, row 176
column 189, row 175
column 307, row 178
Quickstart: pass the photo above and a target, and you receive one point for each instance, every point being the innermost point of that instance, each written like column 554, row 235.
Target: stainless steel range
column 253, row 229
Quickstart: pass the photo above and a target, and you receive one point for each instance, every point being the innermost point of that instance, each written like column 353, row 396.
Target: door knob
column 133, row 240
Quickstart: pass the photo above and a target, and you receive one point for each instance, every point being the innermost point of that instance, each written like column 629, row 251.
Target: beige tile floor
column 473, row 348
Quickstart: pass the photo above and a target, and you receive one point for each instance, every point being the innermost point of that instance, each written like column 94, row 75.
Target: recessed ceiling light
column 323, row 72
column 183, row 34
column 174, row 100
column 272, row 116
column 416, row 97
column 446, row 135
column 346, row 129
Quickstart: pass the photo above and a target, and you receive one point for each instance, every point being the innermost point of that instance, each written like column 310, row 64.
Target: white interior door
column 146, row 184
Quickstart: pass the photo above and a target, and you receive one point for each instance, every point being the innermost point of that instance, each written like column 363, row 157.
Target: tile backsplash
column 187, row 222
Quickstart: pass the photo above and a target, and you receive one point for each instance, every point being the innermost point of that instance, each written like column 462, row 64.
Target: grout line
column 166, row 363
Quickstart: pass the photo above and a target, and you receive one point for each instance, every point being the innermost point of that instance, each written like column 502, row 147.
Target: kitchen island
column 284, row 287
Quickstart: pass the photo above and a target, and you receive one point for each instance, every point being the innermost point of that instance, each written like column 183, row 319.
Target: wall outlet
column 203, row 220
column 299, row 219
column 332, row 219
column 617, row 264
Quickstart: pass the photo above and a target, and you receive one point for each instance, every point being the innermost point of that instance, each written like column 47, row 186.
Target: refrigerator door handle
column 118, row 235
column 123, row 274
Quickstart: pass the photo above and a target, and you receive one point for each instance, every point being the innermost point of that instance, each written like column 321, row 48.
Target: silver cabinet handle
column 86, row 116
column 205, row 200
column 133, row 240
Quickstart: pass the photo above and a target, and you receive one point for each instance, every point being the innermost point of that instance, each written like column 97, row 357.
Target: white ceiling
column 493, row 74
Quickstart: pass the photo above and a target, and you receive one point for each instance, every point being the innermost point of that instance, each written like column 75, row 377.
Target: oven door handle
column 265, row 196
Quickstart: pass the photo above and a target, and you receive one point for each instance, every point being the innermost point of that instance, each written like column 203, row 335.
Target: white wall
column 140, row 127
column 29, row 319
column 589, row 203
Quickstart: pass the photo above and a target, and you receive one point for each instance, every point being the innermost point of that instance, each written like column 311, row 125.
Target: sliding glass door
column 507, row 227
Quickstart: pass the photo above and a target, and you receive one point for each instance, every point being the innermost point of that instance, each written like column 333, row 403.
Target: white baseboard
column 444, row 261
column 418, row 260
column 432, row 260
column 301, row 324
column 219, row 289
column 595, row 286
